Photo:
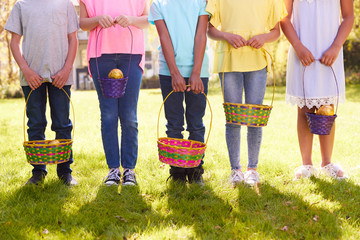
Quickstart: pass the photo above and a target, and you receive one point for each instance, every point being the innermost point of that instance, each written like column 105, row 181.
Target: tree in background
column 9, row 72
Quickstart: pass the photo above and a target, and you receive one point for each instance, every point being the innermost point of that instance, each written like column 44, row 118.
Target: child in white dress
column 316, row 30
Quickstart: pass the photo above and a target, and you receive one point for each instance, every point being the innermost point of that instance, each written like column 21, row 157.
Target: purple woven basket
column 113, row 88
column 321, row 124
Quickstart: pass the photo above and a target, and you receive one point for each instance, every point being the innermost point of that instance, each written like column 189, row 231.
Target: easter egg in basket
column 115, row 74
column 326, row 110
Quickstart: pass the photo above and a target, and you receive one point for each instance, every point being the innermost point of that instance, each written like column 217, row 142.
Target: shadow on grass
column 346, row 193
column 120, row 215
column 268, row 213
column 33, row 208
column 197, row 207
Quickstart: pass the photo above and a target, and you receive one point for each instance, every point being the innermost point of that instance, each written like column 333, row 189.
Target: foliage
column 156, row 209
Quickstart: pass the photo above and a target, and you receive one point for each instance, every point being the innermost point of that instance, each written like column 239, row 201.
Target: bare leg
column 305, row 137
column 326, row 147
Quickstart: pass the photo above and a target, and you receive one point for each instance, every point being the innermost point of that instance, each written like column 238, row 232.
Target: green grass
column 310, row 209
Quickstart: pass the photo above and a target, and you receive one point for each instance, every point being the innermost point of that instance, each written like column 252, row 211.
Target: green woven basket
column 43, row 152
column 251, row 115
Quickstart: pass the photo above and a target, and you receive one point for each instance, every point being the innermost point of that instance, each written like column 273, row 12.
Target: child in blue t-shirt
column 182, row 26
column 49, row 43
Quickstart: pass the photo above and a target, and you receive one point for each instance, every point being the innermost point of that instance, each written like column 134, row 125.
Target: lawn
column 279, row 208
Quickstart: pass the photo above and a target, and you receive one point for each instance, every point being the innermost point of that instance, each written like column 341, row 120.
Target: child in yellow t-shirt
column 242, row 28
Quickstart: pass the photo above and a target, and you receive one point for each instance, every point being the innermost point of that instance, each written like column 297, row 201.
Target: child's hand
column 304, row 55
column 105, row 21
column 236, row 41
column 196, row 84
column 32, row 78
column 123, row 20
column 330, row 55
column 178, row 82
column 256, row 41
column 61, row 77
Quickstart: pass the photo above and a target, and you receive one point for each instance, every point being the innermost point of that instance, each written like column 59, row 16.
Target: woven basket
column 252, row 115
column 321, row 124
column 113, row 88
column 181, row 152
column 44, row 152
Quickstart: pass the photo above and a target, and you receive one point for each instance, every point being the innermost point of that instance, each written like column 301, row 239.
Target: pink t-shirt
column 115, row 39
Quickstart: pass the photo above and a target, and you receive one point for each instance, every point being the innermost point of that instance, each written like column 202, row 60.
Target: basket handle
column 96, row 45
column 72, row 106
column 209, row 108
column 273, row 70
column 336, row 82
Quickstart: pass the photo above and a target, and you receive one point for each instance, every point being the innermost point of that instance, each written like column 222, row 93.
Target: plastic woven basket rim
column 35, row 143
column 248, row 105
column 320, row 116
column 168, row 145
column 114, row 79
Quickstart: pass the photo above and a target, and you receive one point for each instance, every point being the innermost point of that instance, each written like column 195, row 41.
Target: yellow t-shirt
column 246, row 18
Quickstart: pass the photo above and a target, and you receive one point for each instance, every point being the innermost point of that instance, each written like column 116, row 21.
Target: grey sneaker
column 252, row 177
column 68, row 180
column 129, row 178
column 113, row 178
column 236, row 176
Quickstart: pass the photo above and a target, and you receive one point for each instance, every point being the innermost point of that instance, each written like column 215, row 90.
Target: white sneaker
column 236, row 176
column 129, row 178
column 305, row 171
column 252, row 177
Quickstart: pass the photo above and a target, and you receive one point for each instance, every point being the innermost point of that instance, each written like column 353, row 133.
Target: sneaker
column 68, row 180
column 251, row 177
column 194, row 175
column 305, row 171
column 236, row 176
column 129, row 178
column 177, row 174
column 113, row 178
column 37, row 178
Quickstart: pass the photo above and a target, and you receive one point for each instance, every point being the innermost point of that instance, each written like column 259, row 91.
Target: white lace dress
column 316, row 22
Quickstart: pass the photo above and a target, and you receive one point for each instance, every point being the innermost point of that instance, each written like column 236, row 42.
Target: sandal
column 305, row 171
column 332, row 170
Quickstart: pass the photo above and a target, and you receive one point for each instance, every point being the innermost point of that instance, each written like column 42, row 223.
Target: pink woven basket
column 183, row 153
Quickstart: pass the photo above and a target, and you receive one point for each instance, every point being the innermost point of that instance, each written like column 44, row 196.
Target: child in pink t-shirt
column 117, row 47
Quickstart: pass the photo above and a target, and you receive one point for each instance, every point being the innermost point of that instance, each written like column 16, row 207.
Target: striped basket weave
column 43, row 152
column 252, row 115
column 183, row 153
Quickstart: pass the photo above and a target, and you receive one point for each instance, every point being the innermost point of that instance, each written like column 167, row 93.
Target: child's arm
column 347, row 12
column 139, row 22
column 177, row 80
column 88, row 24
column 196, row 84
column 61, row 77
column 236, row 41
column 258, row 41
column 304, row 55
column 31, row 77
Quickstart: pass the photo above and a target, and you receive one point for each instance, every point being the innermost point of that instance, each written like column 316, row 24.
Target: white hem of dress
column 313, row 102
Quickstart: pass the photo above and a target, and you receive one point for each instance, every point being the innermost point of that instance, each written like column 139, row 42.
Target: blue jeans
column 174, row 110
column 59, row 111
column 254, row 85
column 123, row 109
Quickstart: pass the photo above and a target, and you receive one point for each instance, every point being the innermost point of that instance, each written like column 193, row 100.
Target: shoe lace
column 236, row 176
column 252, row 175
column 129, row 176
column 114, row 174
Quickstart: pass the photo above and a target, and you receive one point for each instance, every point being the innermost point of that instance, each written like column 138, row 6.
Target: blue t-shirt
column 181, row 18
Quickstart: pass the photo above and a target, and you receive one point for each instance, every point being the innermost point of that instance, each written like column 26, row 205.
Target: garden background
column 279, row 208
